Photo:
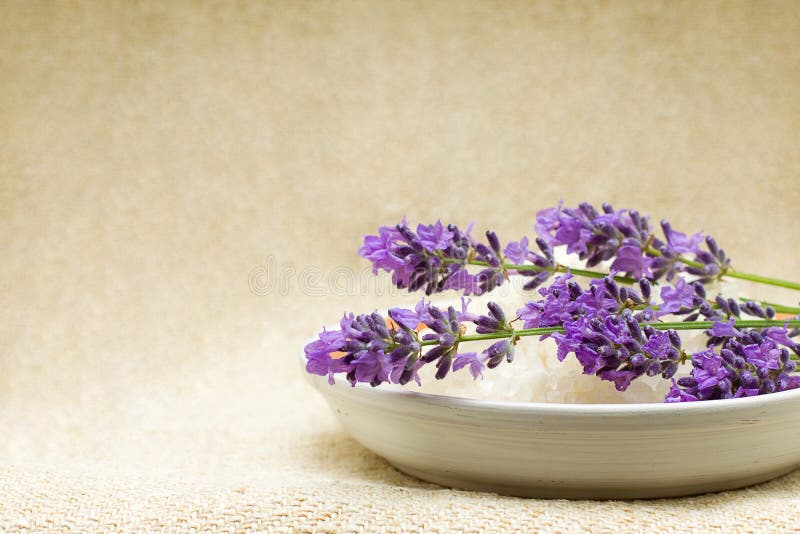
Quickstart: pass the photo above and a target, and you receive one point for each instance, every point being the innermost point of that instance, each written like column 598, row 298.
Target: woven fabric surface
column 183, row 187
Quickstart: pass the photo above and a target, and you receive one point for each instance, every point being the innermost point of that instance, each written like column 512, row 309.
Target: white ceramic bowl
column 597, row 451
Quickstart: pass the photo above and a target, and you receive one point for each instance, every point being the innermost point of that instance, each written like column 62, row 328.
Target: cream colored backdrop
column 158, row 158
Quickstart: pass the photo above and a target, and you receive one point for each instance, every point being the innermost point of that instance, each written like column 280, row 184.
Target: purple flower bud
column 353, row 345
column 546, row 249
column 496, row 312
column 687, row 382
column 497, row 348
column 376, row 345
column 767, row 386
column 699, row 289
column 782, row 382
column 438, row 326
column 712, row 245
column 443, row 366
column 644, row 285
column 401, row 353
column 452, row 316
column 728, row 356
column 446, row 340
column 494, row 242
column 638, row 360
column 611, row 287
column 669, row 370
column 674, row 338
column 538, row 280
column 488, row 323
column 434, row 354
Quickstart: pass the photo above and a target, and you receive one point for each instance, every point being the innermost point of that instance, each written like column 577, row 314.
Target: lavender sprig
column 434, row 258
column 627, row 237
column 742, row 368
column 603, row 331
column 369, row 348
column 610, row 329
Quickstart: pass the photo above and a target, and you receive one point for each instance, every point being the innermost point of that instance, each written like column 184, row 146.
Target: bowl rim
column 539, row 408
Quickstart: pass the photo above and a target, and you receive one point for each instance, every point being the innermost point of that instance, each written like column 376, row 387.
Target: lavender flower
column 410, row 319
column 618, row 349
column 319, row 355
column 435, row 258
column 738, row 370
column 680, row 296
column 430, row 258
column 606, row 326
column 595, row 236
column 565, row 300
column 722, row 329
column 372, row 350
column 602, row 331
column 626, row 237
column 365, row 350
column 679, row 242
column 471, row 359
column 517, row 251
column 631, row 260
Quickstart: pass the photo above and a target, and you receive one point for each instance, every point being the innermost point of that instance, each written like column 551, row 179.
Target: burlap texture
column 162, row 162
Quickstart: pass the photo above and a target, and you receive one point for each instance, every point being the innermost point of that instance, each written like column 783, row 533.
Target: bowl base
column 554, row 489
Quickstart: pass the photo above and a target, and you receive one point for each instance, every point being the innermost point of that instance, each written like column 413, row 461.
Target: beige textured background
column 153, row 155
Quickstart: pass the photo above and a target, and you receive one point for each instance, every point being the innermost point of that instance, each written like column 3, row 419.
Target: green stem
column 621, row 279
column 734, row 274
column 557, row 269
column 694, row 325
column 763, row 279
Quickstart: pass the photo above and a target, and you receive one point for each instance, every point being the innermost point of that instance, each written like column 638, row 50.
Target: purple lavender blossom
column 564, row 300
column 739, row 369
column 411, row 318
column 679, row 242
column 371, row 350
column 618, row 349
column 725, row 329
column 318, row 355
column 546, row 221
column 595, row 236
column 517, row 251
column 436, row 236
column 365, row 350
column 626, row 237
column 678, row 296
column 781, row 336
column 471, row 359
column 602, row 331
column 377, row 249
column 435, row 258
column 630, row 259
column 425, row 259
column 557, row 305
